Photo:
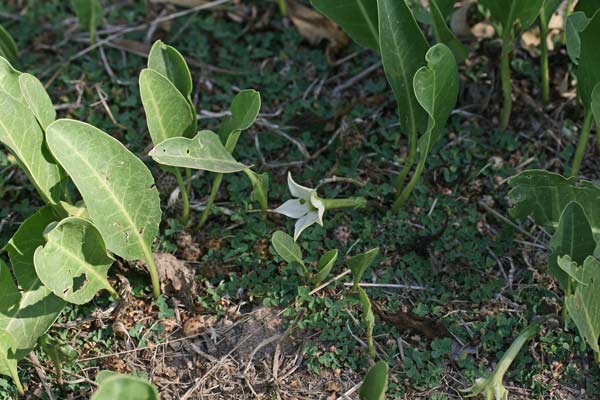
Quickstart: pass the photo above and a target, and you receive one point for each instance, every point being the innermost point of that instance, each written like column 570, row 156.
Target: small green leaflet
column 8, row 47
column 37, row 99
column 584, row 304
column 204, row 152
column 573, row 238
column 89, row 14
column 114, row 386
column 74, row 263
column 245, row 107
column 168, row 113
column 324, row 266
column 544, row 195
column 116, row 186
column 403, row 49
column 360, row 262
column 21, row 133
column 358, row 18
column 375, row 383
column 168, row 61
column 287, row 249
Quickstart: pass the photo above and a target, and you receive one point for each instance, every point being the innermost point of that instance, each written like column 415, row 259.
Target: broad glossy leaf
column 375, row 383
column 403, row 49
column 168, row 112
column 38, row 307
column 168, row 61
column 442, row 32
column 118, row 189
column 324, row 266
column 244, row 110
column 8, row 362
column 37, row 99
column 544, row 195
column 114, row 386
column 573, row 238
column 74, row 263
column 576, row 23
column 507, row 12
column 584, row 304
column 9, row 79
column 360, row 262
column 358, row 18
column 8, row 47
column 21, row 133
column 287, row 248
column 204, row 152
column 89, row 14
column 588, row 73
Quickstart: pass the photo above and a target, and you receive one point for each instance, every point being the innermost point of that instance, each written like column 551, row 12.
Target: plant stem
column 505, row 78
column 282, row 7
column 565, row 16
column 410, row 160
column 153, row 270
column 185, row 214
column 401, row 199
column 544, row 59
column 349, row 202
column 214, row 189
column 582, row 144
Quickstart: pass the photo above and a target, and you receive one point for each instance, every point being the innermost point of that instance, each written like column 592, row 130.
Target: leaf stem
column 544, row 58
column 153, row 270
column 214, row 189
column 404, row 195
column 582, row 144
column 185, row 214
column 349, row 202
column 409, row 162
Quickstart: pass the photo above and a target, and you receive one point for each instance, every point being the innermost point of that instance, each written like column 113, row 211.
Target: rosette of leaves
column 62, row 252
column 582, row 35
column 165, row 88
column 390, row 28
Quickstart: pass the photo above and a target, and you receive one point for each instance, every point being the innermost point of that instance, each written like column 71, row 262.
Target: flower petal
column 294, row 208
column 318, row 204
column 298, row 191
column 304, row 222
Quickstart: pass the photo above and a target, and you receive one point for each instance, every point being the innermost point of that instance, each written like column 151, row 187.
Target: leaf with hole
column 359, row 264
column 74, row 263
column 375, row 383
column 203, row 152
column 324, row 266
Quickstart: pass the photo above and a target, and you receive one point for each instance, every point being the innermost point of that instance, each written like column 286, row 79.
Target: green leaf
column 260, row 188
column 443, row 34
column 9, row 79
column 37, row 99
column 287, row 249
column 58, row 351
column 544, row 195
column 588, row 7
column 588, row 73
column 584, row 304
column 571, row 268
column 596, row 103
column 576, row 23
column 38, row 308
column 8, row 363
column 204, row 152
column 74, row 263
column 326, row 263
column 21, row 133
column 8, row 47
column 89, row 14
column 117, row 188
column 114, row 386
column 573, row 238
column 403, row 49
column 507, row 13
column 360, row 262
column 168, row 112
column 168, row 61
column 368, row 318
column 375, row 383
column 245, row 107
column 358, row 18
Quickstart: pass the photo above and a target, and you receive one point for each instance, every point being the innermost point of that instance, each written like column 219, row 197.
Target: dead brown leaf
column 198, row 324
column 404, row 321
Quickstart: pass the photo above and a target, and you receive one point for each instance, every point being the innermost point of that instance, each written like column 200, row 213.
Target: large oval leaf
column 38, row 307
column 507, row 12
column 114, row 386
column 358, row 18
column 74, row 263
column 168, row 113
column 37, row 99
column 204, row 152
column 118, row 189
column 21, row 133
column 403, row 49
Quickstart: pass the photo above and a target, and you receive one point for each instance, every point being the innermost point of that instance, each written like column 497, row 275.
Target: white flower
column 306, row 207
